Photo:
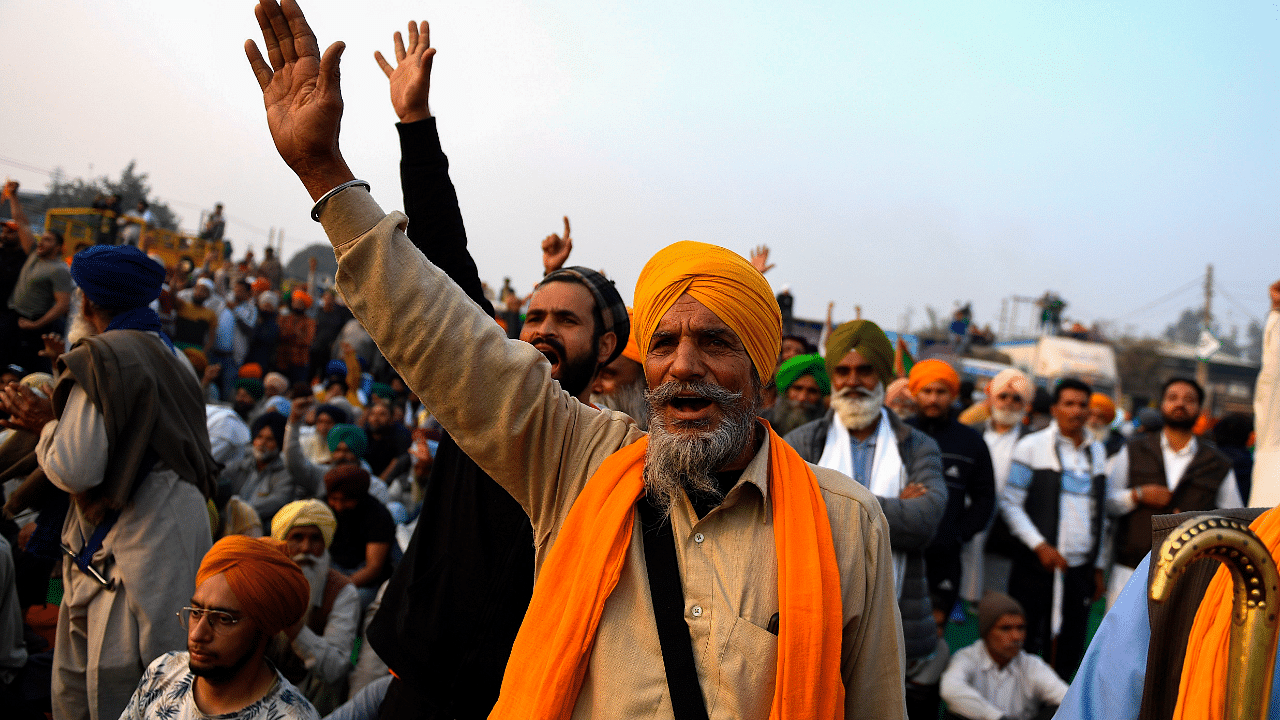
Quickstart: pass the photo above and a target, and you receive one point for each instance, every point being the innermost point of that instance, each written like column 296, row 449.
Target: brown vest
column 1171, row 621
column 1197, row 489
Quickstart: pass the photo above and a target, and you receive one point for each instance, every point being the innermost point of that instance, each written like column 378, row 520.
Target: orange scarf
column 549, row 659
column 1202, row 693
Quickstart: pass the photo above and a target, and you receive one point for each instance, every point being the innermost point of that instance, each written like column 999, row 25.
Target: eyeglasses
column 1009, row 397
column 219, row 620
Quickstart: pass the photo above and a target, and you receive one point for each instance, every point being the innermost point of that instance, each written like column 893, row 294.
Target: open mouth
column 550, row 354
column 690, row 403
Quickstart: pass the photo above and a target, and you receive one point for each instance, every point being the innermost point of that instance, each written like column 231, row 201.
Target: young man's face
column 1004, row 639
column 219, row 651
column 560, row 324
column 934, row 400
column 1071, row 411
column 1180, row 406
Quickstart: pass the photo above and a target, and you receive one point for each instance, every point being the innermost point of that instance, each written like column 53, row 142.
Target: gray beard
column 628, row 399
column 681, row 457
column 1007, row 417
column 858, row 407
column 316, row 570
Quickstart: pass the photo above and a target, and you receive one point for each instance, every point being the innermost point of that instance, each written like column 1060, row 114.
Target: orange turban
column 252, row 371
column 721, row 280
column 931, row 371
column 302, row 297
column 260, row 285
column 1102, row 403
column 270, row 587
column 632, row 350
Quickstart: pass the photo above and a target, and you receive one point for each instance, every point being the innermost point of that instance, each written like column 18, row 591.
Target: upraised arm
column 556, row 249
column 411, row 77
column 430, row 201
column 302, row 95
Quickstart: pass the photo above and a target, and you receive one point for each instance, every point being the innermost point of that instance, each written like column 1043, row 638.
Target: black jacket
column 966, row 466
column 452, row 609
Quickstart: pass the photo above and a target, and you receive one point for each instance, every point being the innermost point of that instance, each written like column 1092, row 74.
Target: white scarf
column 888, row 476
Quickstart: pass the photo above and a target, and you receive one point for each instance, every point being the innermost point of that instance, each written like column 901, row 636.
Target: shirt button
column 697, row 611
column 698, row 538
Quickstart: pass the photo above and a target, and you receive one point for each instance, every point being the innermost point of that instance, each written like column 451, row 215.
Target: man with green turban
column 803, row 388
column 899, row 464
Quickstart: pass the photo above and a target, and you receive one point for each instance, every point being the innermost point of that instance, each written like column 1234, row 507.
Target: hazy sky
column 892, row 155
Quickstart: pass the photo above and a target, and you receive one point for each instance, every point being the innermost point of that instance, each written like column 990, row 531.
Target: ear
column 608, row 342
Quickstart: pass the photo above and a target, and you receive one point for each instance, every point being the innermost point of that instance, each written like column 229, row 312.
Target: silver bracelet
column 315, row 209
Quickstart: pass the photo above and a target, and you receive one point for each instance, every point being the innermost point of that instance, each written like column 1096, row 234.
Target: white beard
column 316, row 570
column 678, row 461
column 858, row 407
column 628, row 399
column 1006, row 418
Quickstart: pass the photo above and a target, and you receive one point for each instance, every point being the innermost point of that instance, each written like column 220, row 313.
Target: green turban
column 869, row 340
column 354, row 437
column 791, row 370
column 252, row 386
column 383, row 391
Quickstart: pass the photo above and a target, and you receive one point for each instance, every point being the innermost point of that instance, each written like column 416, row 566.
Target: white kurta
column 107, row 638
column 1266, row 419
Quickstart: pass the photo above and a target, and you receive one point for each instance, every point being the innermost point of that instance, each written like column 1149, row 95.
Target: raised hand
column 411, row 77
column 556, row 249
column 302, row 95
column 54, row 346
column 27, row 410
column 1274, row 290
column 760, row 259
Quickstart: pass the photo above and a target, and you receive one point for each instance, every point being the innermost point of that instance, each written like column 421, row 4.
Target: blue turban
column 117, row 277
column 354, row 437
column 336, row 367
column 335, row 413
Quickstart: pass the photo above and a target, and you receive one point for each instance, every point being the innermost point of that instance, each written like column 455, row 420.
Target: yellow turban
column 304, row 512
column 632, row 351
column 721, row 280
column 270, row 587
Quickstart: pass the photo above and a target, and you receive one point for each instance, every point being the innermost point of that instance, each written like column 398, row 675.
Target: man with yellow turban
column 763, row 587
column 901, row 466
column 319, row 659
column 966, row 466
column 247, row 591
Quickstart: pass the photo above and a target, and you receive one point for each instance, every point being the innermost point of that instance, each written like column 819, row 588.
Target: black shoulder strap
column 667, row 592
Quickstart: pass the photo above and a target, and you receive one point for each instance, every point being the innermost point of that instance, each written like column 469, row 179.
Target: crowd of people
column 670, row 509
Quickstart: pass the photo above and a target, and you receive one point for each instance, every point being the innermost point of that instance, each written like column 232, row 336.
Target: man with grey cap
column 993, row 679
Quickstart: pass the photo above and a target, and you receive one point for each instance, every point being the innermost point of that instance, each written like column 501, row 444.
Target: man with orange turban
column 773, row 593
column 966, row 465
column 297, row 331
column 1102, row 413
column 247, row 591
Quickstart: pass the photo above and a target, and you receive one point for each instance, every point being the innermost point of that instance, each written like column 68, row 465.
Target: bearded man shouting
column 706, row 566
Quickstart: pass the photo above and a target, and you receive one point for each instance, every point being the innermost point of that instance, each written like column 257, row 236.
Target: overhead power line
column 1162, row 299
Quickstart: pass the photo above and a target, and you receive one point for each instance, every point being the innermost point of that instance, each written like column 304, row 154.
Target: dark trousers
column 1032, row 586
column 942, row 564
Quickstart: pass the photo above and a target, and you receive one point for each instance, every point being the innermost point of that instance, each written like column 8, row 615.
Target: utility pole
column 1202, row 368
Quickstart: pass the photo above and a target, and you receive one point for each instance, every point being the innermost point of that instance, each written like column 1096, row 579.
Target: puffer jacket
column 912, row 523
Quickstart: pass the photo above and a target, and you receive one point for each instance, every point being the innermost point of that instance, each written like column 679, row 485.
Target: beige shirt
column 497, row 398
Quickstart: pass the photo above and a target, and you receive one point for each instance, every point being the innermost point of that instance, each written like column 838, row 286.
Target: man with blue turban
column 129, row 443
